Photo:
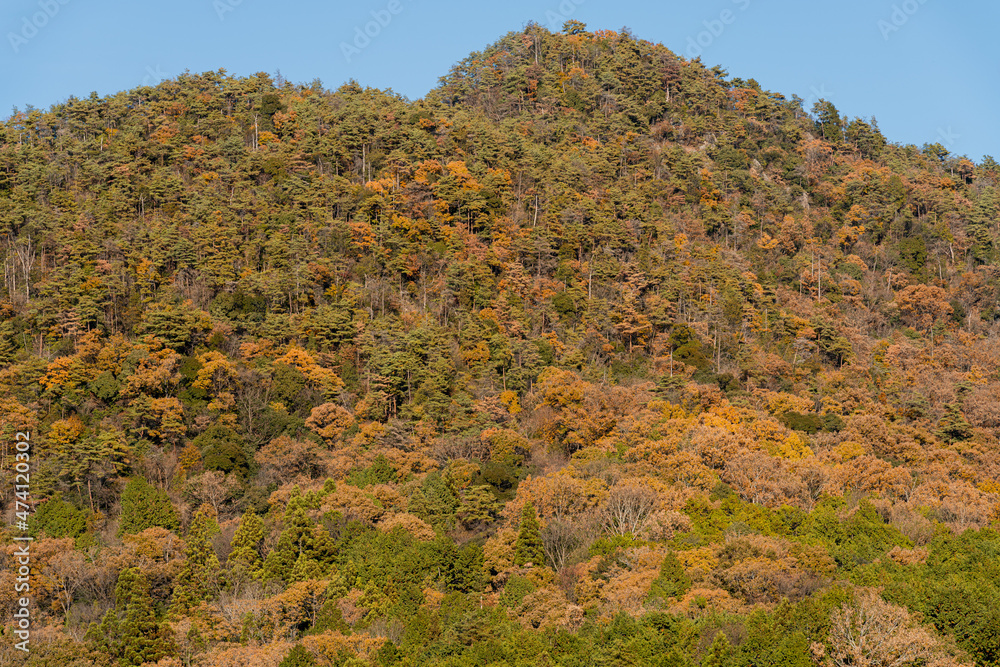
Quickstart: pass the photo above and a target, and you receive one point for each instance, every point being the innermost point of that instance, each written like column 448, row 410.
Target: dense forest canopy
column 593, row 356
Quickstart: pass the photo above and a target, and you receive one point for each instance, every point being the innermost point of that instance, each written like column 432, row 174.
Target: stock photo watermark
column 22, row 552
column 556, row 18
column 948, row 137
column 223, row 7
column 818, row 93
column 31, row 25
column 714, row 28
column 363, row 35
column 899, row 17
column 154, row 76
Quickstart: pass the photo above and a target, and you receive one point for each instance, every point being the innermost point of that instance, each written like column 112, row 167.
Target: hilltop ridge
column 592, row 352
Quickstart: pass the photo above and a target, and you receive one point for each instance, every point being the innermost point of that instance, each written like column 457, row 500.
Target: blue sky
column 927, row 70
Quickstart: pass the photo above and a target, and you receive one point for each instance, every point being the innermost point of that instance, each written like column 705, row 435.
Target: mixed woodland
column 592, row 356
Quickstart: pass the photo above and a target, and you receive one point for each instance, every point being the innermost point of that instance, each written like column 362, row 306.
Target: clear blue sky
column 927, row 70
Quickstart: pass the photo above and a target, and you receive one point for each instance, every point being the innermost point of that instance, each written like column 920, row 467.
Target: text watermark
column 22, row 554
column 30, row 25
column 223, row 7
column 899, row 17
column 556, row 18
column 714, row 28
column 363, row 35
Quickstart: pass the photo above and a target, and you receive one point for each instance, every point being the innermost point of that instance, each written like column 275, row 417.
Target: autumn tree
column 284, row 458
column 627, row 508
column 560, row 538
column 873, row 632
column 923, row 305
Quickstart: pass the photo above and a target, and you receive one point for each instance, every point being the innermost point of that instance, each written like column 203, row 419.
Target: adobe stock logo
column 381, row 19
column 154, row 76
column 948, row 137
column 713, row 30
column 565, row 10
column 900, row 16
column 223, row 7
column 38, row 20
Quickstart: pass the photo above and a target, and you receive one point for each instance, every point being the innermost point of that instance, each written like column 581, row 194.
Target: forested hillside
column 592, row 356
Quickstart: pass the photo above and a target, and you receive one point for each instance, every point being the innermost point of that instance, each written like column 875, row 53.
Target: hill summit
column 592, row 353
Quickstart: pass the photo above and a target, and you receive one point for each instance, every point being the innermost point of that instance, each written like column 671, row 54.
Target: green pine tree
column 479, row 506
column 719, row 652
column 195, row 639
column 673, row 582
column 435, row 502
column 953, row 427
column 244, row 558
column 985, row 212
column 58, row 518
column 304, row 550
column 529, row 538
column 144, row 507
column 298, row 657
column 131, row 631
column 8, row 341
column 201, row 573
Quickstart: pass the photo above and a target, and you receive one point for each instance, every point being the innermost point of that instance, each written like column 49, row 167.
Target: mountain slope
column 737, row 357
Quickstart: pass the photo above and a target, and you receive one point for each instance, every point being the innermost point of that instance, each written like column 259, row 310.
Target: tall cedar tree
column 673, row 581
column 244, row 558
column 131, row 630
column 304, row 550
column 201, row 574
column 529, row 547
column 145, row 507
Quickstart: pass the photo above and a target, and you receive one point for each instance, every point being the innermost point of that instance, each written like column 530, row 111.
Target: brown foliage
column 981, row 407
column 368, row 505
column 557, row 496
column 230, row 655
column 765, row 570
column 329, row 421
column 548, row 608
column 922, row 305
column 870, row 475
column 157, row 552
column 561, row 537
column 873, row 633
column 764, row 480
column 415, row 526
column 54, row 576
column 213, row 487
column 284, row 459
column 662, row 525
column 582, row 413
column 331, row 644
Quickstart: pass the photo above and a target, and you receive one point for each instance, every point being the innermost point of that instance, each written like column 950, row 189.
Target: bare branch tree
column 20, row 259
column 872, row 632
column 627, row 508
column 560, row 538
